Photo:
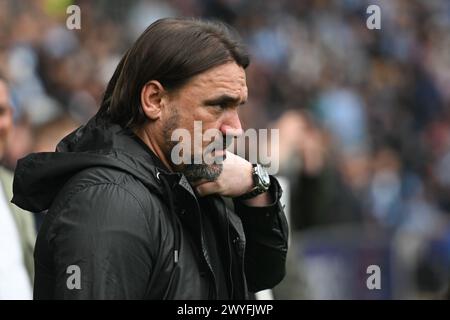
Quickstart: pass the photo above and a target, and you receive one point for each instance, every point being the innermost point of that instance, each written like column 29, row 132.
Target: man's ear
column 151, row 99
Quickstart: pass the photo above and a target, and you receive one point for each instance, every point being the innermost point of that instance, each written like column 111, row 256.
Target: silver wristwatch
column 261, row 181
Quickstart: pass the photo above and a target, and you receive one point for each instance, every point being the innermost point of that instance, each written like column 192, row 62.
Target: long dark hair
column 171, row 51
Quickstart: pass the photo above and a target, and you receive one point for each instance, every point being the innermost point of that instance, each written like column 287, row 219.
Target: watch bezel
column 263, row 177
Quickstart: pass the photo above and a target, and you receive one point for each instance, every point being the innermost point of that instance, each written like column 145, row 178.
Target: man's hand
column 235, row 180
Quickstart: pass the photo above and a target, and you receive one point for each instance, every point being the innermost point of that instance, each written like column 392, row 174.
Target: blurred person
column 134, row 223
column 385, row 187
column 17, row 234
column 323, row 187
column 22, row 135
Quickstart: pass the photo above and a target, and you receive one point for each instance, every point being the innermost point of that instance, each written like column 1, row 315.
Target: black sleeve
column 266, row 233
column 102, row 234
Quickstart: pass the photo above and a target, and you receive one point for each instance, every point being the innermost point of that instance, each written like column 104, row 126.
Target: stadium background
column 364, row 120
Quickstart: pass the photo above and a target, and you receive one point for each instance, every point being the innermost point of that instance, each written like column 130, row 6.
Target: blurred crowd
column 364, row 115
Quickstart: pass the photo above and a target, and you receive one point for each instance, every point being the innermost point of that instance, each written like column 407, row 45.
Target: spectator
column 17, row 234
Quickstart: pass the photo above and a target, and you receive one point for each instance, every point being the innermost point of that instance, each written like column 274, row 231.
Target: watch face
column 263, row 176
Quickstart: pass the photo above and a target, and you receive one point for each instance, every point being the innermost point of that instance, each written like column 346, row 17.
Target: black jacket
column 134, row 229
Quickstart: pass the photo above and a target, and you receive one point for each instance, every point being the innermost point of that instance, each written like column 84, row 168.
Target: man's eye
column 219, row 106
column 227, row 106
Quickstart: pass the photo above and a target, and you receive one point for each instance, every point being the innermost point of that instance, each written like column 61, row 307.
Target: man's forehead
column 224, row 79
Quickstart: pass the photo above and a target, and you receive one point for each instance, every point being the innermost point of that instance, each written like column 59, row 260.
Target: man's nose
column 231, row 126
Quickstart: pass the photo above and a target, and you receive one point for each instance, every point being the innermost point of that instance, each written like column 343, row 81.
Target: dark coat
column 134, row 229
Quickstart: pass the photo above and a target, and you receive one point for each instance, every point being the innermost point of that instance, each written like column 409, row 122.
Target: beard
column 194, row 172
column 197, row 172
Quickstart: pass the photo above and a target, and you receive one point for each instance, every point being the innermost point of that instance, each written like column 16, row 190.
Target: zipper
column 202, row 241
column 240, row 253
column 203, row 244
column 230, row 254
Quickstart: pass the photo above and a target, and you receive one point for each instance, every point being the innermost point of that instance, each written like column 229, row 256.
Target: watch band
column 255, row 192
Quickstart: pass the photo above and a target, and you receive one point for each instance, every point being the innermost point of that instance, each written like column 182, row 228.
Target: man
column 17, row 234
column 124, row 220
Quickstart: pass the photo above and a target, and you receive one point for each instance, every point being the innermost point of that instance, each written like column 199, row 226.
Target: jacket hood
column 39, row 176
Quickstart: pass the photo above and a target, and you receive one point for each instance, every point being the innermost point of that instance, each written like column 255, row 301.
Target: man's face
column 5, row 117
column 213, row 98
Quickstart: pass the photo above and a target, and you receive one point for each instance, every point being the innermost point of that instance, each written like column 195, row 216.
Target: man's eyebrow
column 224, row 99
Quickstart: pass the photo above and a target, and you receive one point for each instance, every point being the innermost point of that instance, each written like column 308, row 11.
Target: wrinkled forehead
column 228, row 78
